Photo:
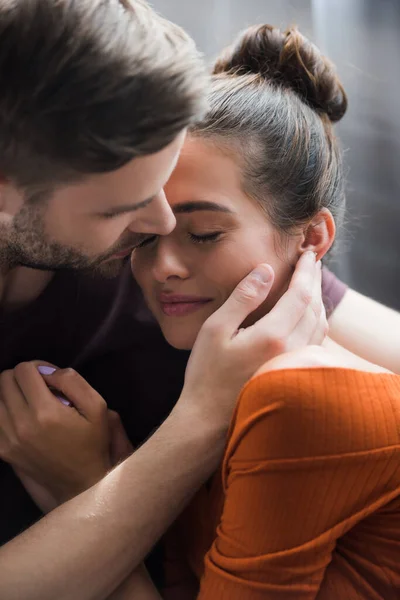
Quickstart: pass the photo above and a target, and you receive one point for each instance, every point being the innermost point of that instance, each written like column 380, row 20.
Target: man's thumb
column 248, row 295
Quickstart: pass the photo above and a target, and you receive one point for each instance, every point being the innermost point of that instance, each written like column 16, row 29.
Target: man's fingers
column 291, row 307
column 245, row 298
column 309, row 330
column 321, row 331
column 322, row 328
column 305, row 272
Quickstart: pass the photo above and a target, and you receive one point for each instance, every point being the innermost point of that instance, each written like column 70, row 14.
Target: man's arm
column 88, row 546
column 368, row 329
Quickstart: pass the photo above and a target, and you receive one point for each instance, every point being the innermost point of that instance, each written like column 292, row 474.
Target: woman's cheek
column 224, row 268
column 231, row 262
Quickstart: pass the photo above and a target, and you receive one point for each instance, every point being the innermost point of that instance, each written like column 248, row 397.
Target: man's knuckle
column 212, row 328
column 305, row 296
column 316, row 307
column 246, row 293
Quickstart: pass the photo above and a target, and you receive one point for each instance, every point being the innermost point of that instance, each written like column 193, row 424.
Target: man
column 95, row 99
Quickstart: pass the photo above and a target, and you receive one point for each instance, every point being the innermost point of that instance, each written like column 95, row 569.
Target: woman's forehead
column 203, row 168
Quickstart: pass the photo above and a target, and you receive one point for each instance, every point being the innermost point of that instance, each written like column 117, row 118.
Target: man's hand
column 225, row 356
column 54, row 448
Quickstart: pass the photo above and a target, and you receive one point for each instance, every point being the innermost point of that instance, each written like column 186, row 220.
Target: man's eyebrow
column 126, row 208
column 189, row 207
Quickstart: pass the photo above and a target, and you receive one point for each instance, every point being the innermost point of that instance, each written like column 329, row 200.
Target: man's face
column 91, row 224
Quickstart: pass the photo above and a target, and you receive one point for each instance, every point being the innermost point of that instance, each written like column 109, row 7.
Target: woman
column 307, row 503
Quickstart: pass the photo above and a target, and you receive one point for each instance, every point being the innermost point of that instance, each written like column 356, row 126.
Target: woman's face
column 221, row 235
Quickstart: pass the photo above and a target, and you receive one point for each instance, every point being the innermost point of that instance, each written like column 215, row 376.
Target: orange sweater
column 307, row 504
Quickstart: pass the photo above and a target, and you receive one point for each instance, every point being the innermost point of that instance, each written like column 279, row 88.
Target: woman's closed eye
column 205, row 237
column 195, row 238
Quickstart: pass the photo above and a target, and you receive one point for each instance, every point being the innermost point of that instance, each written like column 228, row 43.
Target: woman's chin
column 181, row 341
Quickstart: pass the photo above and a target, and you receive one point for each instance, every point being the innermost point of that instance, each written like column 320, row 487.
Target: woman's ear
column 319, row 234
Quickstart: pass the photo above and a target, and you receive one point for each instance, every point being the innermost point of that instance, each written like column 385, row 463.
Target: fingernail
column 261, row 275
column 63, row 400
column 311, row 255
column 46, row 370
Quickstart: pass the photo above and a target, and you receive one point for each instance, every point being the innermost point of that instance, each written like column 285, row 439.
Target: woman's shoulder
column 328, row 404
column 331, row 355
column 309, row 356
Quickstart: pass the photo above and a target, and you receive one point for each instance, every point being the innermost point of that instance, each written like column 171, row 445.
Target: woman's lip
column 182, row 308
column 180, row 305
column 178, row 298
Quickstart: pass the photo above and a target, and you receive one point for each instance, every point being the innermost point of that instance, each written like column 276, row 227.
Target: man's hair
column 87, row 85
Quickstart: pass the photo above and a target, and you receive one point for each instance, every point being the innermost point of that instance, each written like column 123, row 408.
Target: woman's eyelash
column 197, row 239
column 207, row 237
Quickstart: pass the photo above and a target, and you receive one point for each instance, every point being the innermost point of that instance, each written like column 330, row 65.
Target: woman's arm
column 311, row 452
column 368, row 329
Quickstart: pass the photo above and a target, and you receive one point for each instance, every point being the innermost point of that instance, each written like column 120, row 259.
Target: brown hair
column 273, row 100
column 88, row 85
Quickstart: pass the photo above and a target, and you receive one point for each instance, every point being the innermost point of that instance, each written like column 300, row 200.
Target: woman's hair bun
column 290, row 60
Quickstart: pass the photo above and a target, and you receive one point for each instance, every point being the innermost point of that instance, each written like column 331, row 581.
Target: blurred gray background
column 362, row 37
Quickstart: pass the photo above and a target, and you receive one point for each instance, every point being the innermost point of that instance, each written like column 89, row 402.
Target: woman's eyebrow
column 189, row 207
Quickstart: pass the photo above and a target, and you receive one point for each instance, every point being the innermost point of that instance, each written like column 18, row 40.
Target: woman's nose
column 168, row 262
column 156, row 218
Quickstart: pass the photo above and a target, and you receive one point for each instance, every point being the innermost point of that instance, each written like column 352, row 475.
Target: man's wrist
column 204, row 432
column 68, row 491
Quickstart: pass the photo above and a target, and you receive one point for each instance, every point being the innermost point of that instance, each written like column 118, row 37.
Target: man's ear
column 319, row 234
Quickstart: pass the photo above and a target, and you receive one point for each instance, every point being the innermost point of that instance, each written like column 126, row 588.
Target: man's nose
column 156, row 218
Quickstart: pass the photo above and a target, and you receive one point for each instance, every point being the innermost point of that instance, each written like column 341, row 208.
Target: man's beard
column 27, row 244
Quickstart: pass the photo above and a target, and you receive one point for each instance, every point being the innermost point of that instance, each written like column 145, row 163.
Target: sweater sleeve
column 311, row 453
column 333, row 290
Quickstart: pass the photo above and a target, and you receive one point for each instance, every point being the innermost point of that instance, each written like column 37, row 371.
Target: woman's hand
column 120, row 448
column 57, row 450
